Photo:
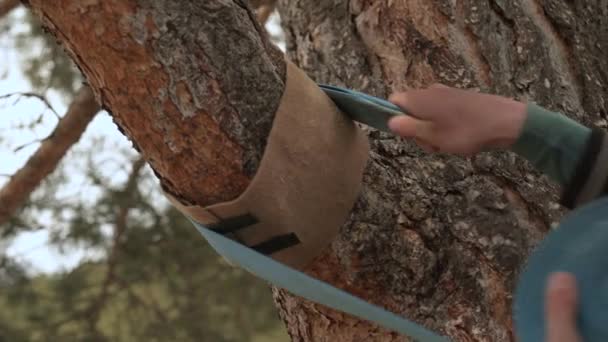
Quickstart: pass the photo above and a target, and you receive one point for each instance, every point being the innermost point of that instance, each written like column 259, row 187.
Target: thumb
column 410, row 127
column 561, row 302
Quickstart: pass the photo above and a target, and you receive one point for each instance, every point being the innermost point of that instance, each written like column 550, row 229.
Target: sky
column 34, row 248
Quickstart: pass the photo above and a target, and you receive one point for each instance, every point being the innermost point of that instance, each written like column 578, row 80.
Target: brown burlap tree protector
column 307, row 183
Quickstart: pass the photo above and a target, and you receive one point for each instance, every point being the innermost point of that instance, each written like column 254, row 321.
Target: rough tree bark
column 6, row 6
column 438, row 239
column 192, row 85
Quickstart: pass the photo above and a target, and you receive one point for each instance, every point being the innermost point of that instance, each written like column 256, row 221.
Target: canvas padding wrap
column 308, row 180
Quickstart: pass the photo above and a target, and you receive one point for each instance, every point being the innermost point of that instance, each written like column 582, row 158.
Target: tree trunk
column 444, row 238
column 435, row 238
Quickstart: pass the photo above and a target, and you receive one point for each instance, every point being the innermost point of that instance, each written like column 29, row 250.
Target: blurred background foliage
column 146, row 274
column 43, row 61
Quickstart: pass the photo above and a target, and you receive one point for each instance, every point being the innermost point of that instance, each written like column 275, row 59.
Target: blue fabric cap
column 578, row 246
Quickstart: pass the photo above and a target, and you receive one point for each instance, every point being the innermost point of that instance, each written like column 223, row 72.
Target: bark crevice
column 561, row 54
column 471, row 49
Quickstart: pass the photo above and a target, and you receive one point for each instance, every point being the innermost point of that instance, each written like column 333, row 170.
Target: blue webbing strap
column 310, row 288
column 370, row 110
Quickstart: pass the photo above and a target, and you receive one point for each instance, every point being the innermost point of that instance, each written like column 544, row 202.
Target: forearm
column 571, row 154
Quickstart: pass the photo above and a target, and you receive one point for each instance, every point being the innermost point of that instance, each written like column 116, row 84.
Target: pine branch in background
column 30, row 94
column 120, row 226
column 6, row 6
column 68, row 131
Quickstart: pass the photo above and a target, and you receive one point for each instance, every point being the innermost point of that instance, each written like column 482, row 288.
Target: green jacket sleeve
column 571, row 154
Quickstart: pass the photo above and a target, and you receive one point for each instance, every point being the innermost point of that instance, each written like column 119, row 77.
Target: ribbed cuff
column 552, row 142
column 589, row 179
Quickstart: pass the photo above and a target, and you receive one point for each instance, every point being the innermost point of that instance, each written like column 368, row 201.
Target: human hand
column 457, row 121
column 560, row 309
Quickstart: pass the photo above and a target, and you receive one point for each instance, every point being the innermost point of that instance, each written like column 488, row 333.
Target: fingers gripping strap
column 307, row 183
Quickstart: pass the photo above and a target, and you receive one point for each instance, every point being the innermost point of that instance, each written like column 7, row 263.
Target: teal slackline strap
column 310, row 288
column 370, row 110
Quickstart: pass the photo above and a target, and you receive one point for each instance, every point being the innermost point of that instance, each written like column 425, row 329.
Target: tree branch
column 70, row 128
column 40, row 97
column 196, row 104
column 120, row 227
column 152, row 307
column 7, row 6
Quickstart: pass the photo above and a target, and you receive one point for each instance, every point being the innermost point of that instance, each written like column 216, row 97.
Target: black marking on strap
column 277, row 243
column 233, row 224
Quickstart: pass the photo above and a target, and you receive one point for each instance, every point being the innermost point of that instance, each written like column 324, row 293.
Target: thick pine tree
column 439, row 239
